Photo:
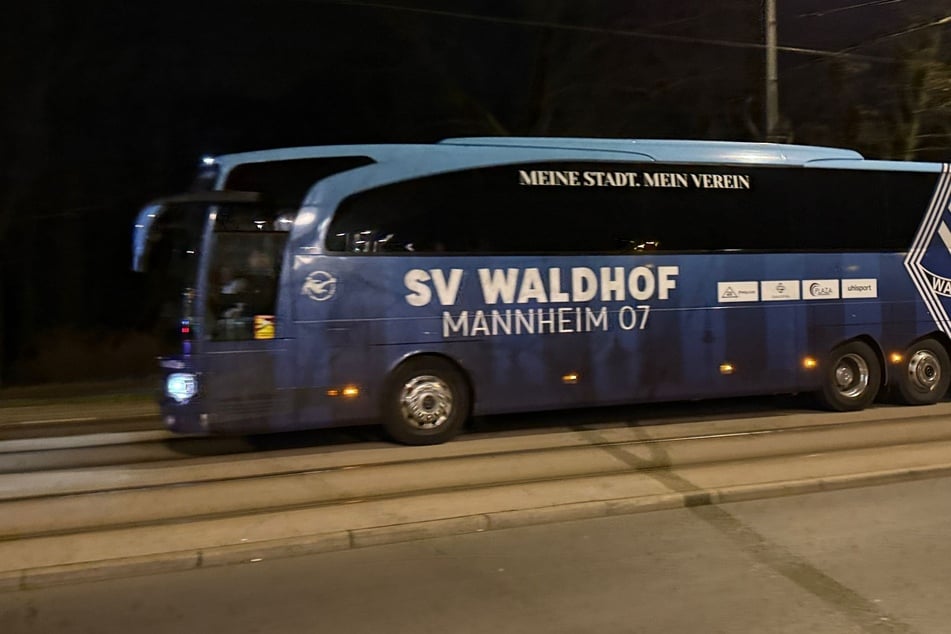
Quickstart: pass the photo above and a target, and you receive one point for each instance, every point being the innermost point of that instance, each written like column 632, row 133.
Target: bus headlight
column 181, row 386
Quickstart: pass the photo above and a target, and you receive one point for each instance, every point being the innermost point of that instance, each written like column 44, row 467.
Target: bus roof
column 378, row 152
column 675, row 151
column 409, row 161
column 659, row 150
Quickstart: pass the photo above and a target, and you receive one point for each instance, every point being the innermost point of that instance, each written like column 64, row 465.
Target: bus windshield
column 168, row 248
column 244, row 255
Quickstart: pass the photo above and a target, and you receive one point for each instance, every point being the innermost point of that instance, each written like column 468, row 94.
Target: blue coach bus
column 490, row 275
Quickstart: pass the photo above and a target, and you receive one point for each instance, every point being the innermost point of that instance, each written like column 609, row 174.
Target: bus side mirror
column 141, row 233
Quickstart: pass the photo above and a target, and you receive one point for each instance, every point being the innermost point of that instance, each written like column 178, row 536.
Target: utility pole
column 772, row 81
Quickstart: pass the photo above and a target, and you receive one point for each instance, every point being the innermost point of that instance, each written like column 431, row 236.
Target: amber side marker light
column 727, row 368
column 570, row 379
column 349, row 391
column 896, row 357
column 810, row 363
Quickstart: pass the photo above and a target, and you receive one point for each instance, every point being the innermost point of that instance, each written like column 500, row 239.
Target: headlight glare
column 181, row 386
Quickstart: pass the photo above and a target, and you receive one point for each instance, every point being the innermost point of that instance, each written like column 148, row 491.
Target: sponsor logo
column 319, row 286
column 729, row 292
column 793, row 290
column 779, row 290
column 820, row 289
column 860, row 288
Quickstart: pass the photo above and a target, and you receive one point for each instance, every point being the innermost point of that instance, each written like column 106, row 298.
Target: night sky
column 108, row 104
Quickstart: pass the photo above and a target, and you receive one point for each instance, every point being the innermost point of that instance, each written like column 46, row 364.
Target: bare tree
column 924, row 108
column 899, row 110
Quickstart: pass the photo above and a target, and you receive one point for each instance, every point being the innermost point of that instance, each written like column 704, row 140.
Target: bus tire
column 926, row 374
column 426, row 402
column 851, row 378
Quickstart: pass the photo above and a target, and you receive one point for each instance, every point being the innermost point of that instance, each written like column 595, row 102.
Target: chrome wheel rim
column 851, row 376
column 924, row 370
column 426, row 402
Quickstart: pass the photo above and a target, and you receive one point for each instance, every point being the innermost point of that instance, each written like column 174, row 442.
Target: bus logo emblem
column 319, row 286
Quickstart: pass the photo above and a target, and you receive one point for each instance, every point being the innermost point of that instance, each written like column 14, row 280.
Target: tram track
column 128, row 446
column 125, row 494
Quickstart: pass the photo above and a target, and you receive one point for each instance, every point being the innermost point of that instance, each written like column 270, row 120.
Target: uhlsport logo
column 855, row 288
column 320, row 286
column 931, row 251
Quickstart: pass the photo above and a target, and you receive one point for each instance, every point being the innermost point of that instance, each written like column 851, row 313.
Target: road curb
column 101, row 570
column 252, row 552
column 379, row 535
column 747, row 492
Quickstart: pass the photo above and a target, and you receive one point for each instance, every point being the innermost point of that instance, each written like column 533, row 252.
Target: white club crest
column 932, row 248
column 319, row 286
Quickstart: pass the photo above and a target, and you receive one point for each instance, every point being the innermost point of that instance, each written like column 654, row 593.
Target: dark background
column 107, row 104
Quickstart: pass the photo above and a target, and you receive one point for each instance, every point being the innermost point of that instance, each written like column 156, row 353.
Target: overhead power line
column 846, row 52
column 873, row 3
column 633, row 33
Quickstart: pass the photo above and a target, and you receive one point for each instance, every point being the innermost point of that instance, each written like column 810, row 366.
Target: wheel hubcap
column 851, row 376
column 924, row 371
column 426, row 402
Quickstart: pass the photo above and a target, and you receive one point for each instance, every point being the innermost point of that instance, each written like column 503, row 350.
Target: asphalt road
column 874, row 559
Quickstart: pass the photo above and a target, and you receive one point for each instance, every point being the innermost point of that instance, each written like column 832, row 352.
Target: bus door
column 243, row 357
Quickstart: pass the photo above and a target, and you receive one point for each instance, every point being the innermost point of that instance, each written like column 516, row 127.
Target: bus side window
column 638, row 245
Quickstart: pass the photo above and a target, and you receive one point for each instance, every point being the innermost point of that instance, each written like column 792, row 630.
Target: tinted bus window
column 286, row 182
column 617, row 208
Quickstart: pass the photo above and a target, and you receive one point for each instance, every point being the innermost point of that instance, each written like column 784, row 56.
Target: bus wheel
column 426, row 402
column 925, row 377
column 851, row 377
